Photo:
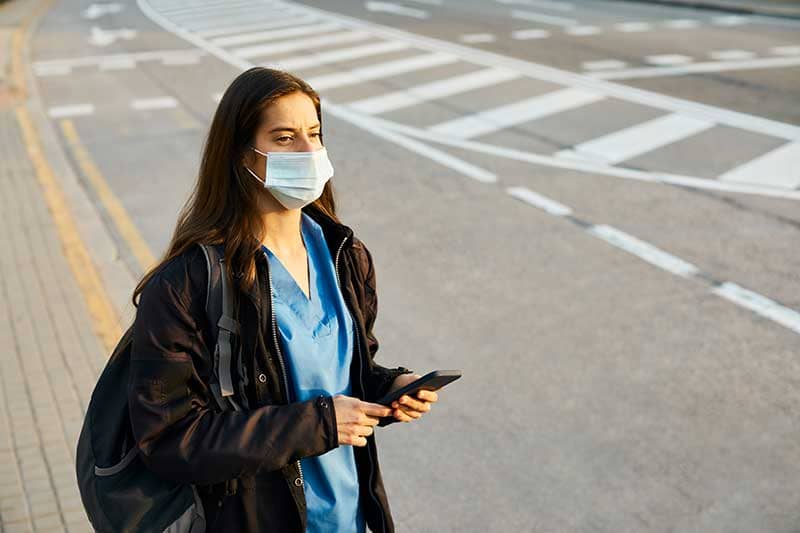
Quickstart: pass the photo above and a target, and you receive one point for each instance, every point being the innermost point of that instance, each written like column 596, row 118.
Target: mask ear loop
column 253, row 173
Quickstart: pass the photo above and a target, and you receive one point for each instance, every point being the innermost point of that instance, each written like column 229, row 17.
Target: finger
column 410, row 412
column 402, row 416
column 375, row 409
column 416, row 405
column 369, row 420
column 364, row 431
column 428, row 396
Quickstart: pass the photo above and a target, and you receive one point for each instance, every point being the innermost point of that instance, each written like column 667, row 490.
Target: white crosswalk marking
column 631, row 142
column 785, row 50
column 477, row 38
column 682, row 24
column 516, row 113
column 730, row 20
column 434, row 90
column 272, row 35
column 273, row 24
column 631, row 27
column 778, row 168
column 309, row 60
column 305, row 43
column 381, row 70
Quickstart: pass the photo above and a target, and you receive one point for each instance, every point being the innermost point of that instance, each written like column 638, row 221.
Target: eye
column 317, row 134
column 284, row 139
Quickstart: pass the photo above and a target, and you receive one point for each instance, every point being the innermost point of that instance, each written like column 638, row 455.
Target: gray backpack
column 118, row 492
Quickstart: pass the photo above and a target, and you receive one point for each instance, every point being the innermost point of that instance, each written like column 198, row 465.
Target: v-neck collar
column 313, row 291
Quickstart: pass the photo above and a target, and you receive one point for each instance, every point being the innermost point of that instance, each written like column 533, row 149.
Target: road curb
column 116, row 278
column 739, row 8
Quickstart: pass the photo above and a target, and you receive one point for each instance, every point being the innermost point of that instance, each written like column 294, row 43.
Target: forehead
column 295, row 109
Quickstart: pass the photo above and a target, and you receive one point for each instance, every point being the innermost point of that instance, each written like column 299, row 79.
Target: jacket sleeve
column 178, row 433
column 379, row 379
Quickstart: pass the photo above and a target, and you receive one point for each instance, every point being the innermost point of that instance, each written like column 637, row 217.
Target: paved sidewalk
column 50, row 355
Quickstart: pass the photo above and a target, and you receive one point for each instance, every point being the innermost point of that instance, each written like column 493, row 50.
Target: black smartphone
column 432, row 381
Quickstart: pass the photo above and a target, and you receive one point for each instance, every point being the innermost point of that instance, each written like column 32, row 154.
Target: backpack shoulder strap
column 220, row 309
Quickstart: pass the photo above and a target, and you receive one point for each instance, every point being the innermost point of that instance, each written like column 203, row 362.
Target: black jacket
column 245, row 463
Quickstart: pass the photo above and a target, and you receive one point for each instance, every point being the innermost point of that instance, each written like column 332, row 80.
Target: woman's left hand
column 408, row 407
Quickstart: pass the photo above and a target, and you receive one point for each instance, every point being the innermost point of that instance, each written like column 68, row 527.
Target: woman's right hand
column 355, row 419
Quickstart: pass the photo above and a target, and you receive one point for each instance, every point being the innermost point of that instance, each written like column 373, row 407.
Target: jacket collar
column 335, row 234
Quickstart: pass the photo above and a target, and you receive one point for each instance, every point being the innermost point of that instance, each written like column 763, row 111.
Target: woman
column 302, row 455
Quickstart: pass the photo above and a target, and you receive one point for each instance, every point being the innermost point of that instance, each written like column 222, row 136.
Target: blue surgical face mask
column 295, row 179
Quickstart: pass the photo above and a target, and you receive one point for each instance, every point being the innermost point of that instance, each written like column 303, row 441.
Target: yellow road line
column 104, row 319
column 111, row 203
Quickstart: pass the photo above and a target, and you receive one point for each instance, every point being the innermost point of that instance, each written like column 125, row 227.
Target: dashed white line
column 711, row 66
column 67, row 111
column 476, row 38
column 537, row 200
column 604, row 64
column 144, row 104
column 543, row 4
column 730, row 20
column 644, row 251
column 581, row 31
column 543, row 18
column 524, row 35
column 682, row 24
column 668, row 59
column 633, row 27
column 785, row 50
column 52, row 70
column 123, row 63
column 731, row 55
column 760, row 304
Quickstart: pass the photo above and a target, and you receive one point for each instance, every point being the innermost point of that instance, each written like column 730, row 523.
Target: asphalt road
column 591, row 208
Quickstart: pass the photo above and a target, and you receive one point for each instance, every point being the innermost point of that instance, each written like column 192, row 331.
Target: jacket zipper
column 361, row 381
column 280, row 356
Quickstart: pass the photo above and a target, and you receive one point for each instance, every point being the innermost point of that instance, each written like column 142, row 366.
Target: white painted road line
column 681, row 24
column 760, row 305
column 695, row 68
column 730, row 20
column 476, row 38
column 785, row 50
column 282, row 47
column 423, row 148
column 525, row 35
column 778, row 168
column 381, row 70
column 51, row 70
column 604, row 64
column 66, row 111
column 644, row 251
column 582, row 31
column 636, row 140
column 273, row 35
column 123, row 63
column 94, row 60
column 431, row 91
column 633, row 27
column 512, row 114
column 543, row 18
column 293, row 20
column 543, row 4
column 537, row 200
column 144, row 104
column 309, row 60
column 731, row 55
column 668, row 60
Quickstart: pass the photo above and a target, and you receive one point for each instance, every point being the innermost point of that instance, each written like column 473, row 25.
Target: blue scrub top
column 317, row 343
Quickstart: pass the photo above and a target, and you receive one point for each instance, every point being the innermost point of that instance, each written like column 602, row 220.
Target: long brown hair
column 223, row 206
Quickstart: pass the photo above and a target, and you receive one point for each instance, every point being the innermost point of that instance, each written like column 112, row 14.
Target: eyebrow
column 286, row 128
